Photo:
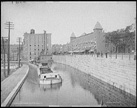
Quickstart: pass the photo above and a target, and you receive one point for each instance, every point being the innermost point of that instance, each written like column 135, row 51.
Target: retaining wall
column 12, row 84
column 117, row 72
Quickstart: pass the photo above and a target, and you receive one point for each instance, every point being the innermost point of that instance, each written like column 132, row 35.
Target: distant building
column 2, row 57
column 94, row 41
column 4, row 44
column 56, row 48
column 14, row 51
column 35, row 44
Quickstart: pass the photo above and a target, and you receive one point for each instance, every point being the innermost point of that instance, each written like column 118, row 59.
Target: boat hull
column 50, row 81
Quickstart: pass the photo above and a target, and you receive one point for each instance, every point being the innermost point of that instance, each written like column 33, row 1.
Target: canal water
column 71, row 92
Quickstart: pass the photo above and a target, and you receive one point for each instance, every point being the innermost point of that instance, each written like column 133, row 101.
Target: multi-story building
column 90, row 41
column 94, row 41
column 35, row 44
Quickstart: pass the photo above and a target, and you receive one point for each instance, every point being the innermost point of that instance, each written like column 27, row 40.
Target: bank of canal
column 68, row 93
column 77, row 88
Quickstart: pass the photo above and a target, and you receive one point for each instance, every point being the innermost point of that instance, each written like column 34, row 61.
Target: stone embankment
column 121, row 73
column 12, row 84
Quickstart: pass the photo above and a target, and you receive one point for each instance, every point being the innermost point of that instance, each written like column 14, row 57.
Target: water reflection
column 72, row 91
column 79, row 78
column 46, row 87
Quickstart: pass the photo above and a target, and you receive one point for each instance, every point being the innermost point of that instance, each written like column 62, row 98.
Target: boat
column 47, row 76
column 47, row 87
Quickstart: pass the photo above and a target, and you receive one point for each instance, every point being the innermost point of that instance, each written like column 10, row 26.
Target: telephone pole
column 4, row 51
column 9, row 26
column 19, row 40
column 135, row 41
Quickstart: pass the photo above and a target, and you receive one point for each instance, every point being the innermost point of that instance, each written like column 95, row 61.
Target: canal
column 71, row 92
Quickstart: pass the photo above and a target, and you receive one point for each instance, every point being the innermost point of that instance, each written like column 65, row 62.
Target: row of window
column 35, row 45
column 86, row 43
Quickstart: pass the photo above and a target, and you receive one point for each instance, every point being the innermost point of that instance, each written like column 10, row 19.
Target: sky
column 62, row 18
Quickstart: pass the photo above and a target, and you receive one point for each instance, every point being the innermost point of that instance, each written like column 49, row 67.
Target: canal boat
column 47, row 76
column 49, row 87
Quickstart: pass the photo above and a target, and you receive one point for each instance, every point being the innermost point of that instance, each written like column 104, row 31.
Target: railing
column 122, row 56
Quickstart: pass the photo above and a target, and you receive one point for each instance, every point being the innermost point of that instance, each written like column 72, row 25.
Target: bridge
column 88, row 80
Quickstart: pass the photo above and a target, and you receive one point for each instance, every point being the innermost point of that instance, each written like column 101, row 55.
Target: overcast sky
column 62, row 18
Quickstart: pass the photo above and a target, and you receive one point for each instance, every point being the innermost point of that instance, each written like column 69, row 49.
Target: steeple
column 98, row 26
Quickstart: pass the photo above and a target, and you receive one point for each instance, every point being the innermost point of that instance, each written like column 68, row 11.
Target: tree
column 122, row 38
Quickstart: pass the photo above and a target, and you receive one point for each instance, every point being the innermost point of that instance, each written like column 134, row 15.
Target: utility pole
column 9, row 25
column 4, row 53
column 19, row 40
column 135, row 41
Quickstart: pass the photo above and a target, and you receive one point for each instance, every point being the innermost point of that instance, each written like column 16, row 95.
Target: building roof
column 98, row 26
column 73, row 35
column 84, row 38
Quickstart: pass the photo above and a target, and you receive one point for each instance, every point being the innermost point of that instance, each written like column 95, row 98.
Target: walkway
column 10, row 85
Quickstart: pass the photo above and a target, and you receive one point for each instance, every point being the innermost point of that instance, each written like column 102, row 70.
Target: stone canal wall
column 117, row 72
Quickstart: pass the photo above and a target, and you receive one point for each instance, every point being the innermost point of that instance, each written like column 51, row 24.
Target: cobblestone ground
column 105, row 93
